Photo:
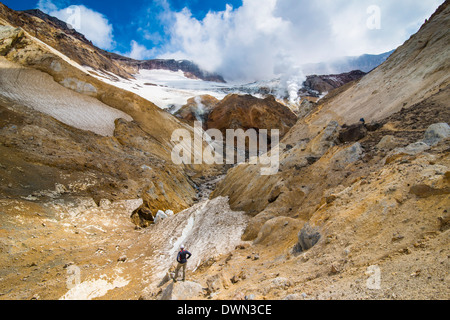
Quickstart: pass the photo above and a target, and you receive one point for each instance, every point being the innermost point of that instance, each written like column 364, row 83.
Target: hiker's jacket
column 183, row 256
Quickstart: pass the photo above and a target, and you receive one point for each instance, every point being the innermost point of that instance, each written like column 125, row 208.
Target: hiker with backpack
column 182, row 258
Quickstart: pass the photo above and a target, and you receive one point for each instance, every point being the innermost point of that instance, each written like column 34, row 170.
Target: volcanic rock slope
column 377, row 199
column 57, row 117
column 74, row 147
column 414, row 74
column 61, row 37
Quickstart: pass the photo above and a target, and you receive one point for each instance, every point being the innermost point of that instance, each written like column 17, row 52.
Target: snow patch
column 92, row 289
column 38, row 90
column 162, row 87
column 208, row 229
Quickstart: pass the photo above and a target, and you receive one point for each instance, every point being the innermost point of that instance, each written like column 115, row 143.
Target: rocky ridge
column 65, row 39
column 317, row 85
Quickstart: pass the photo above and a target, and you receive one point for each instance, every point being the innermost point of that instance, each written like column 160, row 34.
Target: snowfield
column 171, row 90
column 162, row 87
column 208, row 229
column 38, row 90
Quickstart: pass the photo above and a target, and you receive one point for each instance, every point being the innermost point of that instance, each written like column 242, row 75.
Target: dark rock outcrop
column 307, row 238
column 142, row 217
column 353, row 133
column 319, row 84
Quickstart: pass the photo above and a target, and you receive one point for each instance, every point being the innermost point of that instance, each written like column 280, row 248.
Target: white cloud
column 397, row 21
column 237, row 43
column 139, row 52
column 263, row 38
column 46, row 5
column 93, row 25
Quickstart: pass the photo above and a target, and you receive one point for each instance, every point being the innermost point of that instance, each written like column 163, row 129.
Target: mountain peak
column 63, row 37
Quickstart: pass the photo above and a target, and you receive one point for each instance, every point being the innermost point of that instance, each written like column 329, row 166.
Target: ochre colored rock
column 248, row 112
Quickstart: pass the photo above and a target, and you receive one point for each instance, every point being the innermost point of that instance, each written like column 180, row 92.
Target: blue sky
column 128, row 17
column 242, row 39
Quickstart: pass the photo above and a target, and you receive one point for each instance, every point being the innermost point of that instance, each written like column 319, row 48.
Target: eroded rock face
column 197, row 109
column 372, row 212
column 325, row 139
column 61, row 36
column 326, row 83
column 248, row 112
column 106, row 142
column 317, row 135
column 9, row 36
column 142, row 217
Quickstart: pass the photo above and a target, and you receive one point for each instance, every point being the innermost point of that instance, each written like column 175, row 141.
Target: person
column 182, row 258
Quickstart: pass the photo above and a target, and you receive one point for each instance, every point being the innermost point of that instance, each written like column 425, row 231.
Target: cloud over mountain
column 94, row 25
column 263, row 37
column 257, row 40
